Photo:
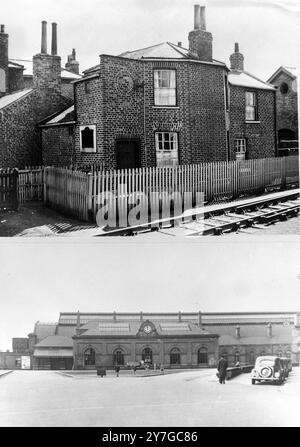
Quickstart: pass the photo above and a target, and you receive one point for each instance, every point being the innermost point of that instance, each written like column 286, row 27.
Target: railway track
column 265, row 211
column 217, row 219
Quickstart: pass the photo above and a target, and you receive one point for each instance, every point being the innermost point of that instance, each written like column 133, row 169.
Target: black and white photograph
column 149, row 216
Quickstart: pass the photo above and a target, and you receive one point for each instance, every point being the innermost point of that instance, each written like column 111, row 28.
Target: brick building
column 182, row 340
column 164, row 105
column 285, row 81
column 27, row 99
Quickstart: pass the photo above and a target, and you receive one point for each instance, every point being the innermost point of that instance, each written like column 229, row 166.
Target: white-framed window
column 166, row 141
column 165, row 87
column 251, row 106
column 240, row 146
column 88, row 138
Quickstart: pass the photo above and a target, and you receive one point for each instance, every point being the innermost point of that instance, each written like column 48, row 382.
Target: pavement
column 189, row 398
column 3, row 372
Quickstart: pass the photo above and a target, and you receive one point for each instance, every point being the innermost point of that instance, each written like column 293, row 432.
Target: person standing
column 222, row 368
column 117, row 369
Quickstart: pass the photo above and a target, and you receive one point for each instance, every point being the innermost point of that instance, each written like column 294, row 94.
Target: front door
column 127, row 154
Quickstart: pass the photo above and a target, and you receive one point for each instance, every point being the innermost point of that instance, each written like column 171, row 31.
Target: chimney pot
column 196, row 17
column 44, row 37
column 236, row 47
column 2, row 28
column 179, row 44
column 54, row 39
column 202, row 18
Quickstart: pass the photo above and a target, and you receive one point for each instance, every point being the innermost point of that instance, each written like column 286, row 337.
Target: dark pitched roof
column 55, row 341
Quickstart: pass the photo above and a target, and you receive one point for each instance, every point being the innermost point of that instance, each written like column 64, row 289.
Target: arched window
column 202, row 356
column 284, row 88
column 237, row 356
column 175, row 356
column 89, row 356
column 251, row 358
column 118, row 358
column 147, row 355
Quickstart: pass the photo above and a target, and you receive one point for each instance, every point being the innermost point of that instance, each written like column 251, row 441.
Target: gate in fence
column 8, row 189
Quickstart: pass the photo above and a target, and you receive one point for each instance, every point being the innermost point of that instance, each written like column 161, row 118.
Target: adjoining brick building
column 285, row 81
column 26, row 99
column 180, row 340
column 164, row 105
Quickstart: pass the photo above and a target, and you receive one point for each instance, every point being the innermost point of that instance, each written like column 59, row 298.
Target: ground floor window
column 240, row 148
column 251, row 358
column 166, row 145
column 88, row 138
column 118, row 357
column 175, row 356
column 202, row 356
column 89, row 356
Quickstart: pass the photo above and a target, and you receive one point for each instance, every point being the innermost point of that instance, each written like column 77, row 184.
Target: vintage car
column 268, row 368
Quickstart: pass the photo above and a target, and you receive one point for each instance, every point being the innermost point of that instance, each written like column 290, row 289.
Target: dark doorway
column 127, row 154
column 147, row 355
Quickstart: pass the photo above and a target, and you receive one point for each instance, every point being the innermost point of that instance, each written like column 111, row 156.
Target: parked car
column 269, row 369
column 287, row 365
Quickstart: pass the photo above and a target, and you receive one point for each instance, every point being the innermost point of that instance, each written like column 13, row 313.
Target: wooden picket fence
column 31, row 184
column 68, row 191
column 79, row 193
column 8, row 189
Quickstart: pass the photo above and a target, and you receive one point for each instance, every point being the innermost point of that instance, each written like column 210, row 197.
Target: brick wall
column 286, row 104
column 58, row 145
column 129, row 112
column 261, row 135
column 19, row 138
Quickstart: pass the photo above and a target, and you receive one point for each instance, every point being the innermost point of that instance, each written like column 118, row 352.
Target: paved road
column 193, row 398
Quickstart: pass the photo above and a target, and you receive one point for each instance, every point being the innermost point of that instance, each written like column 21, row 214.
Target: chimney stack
column 236, row 59
column 200, row 319
column 44, row 37
column 54, row 40
column 238, row 331
column 72, row 64
column 179, row 44
column 200, row 40
column 3, row 61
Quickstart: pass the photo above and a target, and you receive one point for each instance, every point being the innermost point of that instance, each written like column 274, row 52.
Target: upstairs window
column 251, row 106
column 88, row 138
column 284, row 88
column 165, row 87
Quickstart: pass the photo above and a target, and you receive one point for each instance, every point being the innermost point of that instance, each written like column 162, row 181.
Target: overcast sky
column 40, row 280
column 268, row 31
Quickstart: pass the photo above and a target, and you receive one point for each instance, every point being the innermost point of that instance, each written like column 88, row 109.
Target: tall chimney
column 202, row 18
column 54, row 40
column 200, row 319
column 44, row 37
column 3, row 61
column 237, row 59
column 196, row 17
column 200, row 40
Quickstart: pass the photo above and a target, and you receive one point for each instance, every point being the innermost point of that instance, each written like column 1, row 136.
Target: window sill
column 165, row 107
column 88, row 151
column 252, row 122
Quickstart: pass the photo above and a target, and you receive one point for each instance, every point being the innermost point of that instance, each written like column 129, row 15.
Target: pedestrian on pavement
column 134, row 369
column 222, row 368
column 117, row 369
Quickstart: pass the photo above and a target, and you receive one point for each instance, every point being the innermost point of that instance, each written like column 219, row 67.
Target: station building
column 176, row 340
column 164, row 105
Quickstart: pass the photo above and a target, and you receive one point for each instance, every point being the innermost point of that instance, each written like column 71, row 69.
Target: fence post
column 283, row 173
column 45, row 186
column 90, row 178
